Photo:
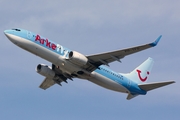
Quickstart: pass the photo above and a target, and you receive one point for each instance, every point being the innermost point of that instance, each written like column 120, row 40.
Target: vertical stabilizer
column 142, row 72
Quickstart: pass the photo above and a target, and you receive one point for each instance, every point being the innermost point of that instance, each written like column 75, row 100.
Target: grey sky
column 90, row 27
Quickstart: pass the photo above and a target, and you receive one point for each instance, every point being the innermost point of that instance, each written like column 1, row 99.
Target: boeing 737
column 69, row 64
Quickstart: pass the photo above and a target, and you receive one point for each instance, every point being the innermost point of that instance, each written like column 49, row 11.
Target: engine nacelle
column 45, row 70
column 78, row 58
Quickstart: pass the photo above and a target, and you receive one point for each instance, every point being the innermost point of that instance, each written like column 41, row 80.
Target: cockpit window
column 16, row 29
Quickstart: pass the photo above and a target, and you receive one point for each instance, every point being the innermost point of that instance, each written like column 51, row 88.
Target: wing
column 50, row 82
column 47, row 83
column 108, row 57
column 60, row 77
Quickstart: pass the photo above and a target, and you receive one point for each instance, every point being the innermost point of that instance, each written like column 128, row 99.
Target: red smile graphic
column 139, row 74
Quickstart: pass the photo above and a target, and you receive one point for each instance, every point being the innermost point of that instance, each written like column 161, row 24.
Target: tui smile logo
column 140, row 77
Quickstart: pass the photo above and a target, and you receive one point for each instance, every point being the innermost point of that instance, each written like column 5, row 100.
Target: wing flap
column 151, row 86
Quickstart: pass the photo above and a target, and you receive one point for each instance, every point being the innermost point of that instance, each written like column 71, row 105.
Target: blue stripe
column 120, row 79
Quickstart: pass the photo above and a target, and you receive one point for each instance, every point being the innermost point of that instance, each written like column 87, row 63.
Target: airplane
column 69, row 64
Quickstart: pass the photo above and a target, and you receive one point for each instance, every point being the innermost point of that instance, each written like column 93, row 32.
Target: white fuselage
column 65, row 65
column 68, row 64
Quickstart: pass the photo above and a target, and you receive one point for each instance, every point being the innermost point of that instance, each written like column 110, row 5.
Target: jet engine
column 77, row 58
column 45, row 70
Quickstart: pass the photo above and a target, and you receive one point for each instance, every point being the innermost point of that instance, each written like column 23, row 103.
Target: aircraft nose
column 5, row 32
column 9, row 35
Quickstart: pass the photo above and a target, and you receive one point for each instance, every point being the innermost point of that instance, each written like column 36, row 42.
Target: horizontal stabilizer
column 130, row 96
column 151, row 86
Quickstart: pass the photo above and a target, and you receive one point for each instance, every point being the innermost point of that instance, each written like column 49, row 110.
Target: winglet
column 155, row 42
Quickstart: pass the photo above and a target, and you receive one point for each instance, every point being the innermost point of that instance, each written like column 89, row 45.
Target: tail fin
column 140, row 75
column 142, row 72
